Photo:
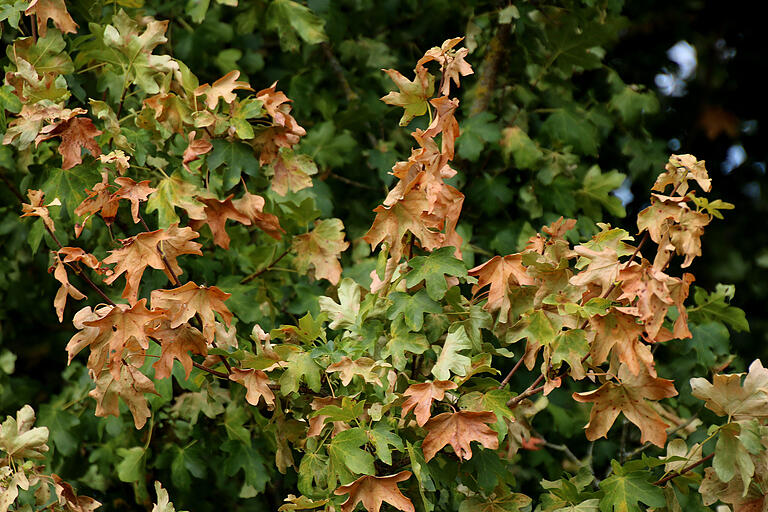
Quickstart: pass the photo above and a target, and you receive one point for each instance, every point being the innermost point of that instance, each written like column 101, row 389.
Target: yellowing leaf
column 726, row 395
column 321, row 248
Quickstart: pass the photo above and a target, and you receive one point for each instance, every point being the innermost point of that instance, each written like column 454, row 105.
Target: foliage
column 396, row 377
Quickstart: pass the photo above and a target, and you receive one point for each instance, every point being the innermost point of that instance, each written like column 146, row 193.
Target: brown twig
column 511, row 372
column 174, row 278
column 256, row 274
column 686, row 469
column 486, row 83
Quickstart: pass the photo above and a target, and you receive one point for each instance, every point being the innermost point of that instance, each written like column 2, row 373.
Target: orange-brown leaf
column 99, row 200
column 38, row 208
column 502, row 274
column 321, row 248
column 420, row 398
column 459, row 429
column 223, row 88
column 130, row 385
column 176, row 343
column 65, row 290
column 186, row 301
column 629, row 396
column 620, row 333
column 54, row 10
column 375, row 490
column 75, row 133
column 133, row 192
column 252, row 206
column 69, row 499
column 216, row 214
column 195, row 148
column 256, row 383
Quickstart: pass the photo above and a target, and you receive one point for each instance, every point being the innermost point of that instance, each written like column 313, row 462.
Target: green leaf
column 423, row 476
column 476, row 132
column 412, row 308
column 731, row 455
column 238, row 158
column 60, row 424
column 716, row 306
column 571, row 128
column 131, row 467
column 624, row 490
column 632, row 104
column 518, row 144
column 401, row 341
column 69, row 186
column 432, row 269
column 597, row 188
column 313, row 475
column 8, row 100
column 347, row 458
column 382, row 437
column 300, row 367
column 540, row 328
column 494, row 400
column 291, row 19
column 450, row 360
column 348, row 412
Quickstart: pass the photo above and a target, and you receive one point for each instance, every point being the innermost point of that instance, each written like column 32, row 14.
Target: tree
column 200, row 212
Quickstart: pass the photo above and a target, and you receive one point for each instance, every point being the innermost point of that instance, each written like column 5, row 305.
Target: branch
column 338, row 71
column 486, row 83
column 686, row 469
column 256, row 274
column 511, row 372
column 174, row 278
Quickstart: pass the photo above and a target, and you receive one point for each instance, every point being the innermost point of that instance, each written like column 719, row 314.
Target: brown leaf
column 195, row 148
column 99, row 200
column 503, row 275
column 186, row 301
column 252, row 206
column 459, row 429
column 37, row 208
column 69, row 499
column 321, row 248
column 257, row 384
column 216, row 214
column 275, row 103
column 620, row 333
column 122, row 328
column 176, row 343
column 628, row 396
column 65, row 290
column 54, row 10
column 375, row 490
column 602, row 270
column 679, row 171
column 130, row 386
column 223, row 88
column 292, row 172
column 76, row 254
column 363, row 367
column 420, row 398
column 452, row 62
column 138, row 253
column 75, row 133
column 133, row 192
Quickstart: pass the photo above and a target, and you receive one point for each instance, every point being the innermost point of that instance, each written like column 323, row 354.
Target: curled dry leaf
column 189, row 300
column 195, row 148
column 256, row 383
column 54, row 10
column 75, row 133
column 37, row 208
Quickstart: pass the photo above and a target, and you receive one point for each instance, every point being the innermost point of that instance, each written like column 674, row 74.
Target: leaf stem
column 686, row 469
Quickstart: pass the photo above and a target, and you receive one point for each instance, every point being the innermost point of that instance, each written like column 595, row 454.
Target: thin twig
column 174, row 278
column 511, row 372
column 256, row 274
column 686, row 469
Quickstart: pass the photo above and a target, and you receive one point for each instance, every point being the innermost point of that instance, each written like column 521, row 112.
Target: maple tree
column 413, row 377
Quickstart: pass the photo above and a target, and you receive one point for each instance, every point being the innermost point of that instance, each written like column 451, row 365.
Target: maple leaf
column 625, row 488
column 445, row 123
column 452, row 62
column 375, row 490
column 37, row 208
column 54, row 10
column 321, row 248
column 195, row 148
column 130, row 385
column 141, row 251
column 216, row 214
column 408, row 214
column 176, row 343
column 292, row 171
column 602, row 269
column 413, row 95
column 19, row 439
column 76, row 254
column 98, row 200
column 117, row 157
column 459, row 429
column 363, row 367
column 502, row 274
column 75, row 133
column 681, row 169
column 69, row 499
column 169, row 110
column 133, row 192
column 223, row 88
column 432, row 269
column 450, row 359
column 122, row 328
column 620, row 333
column 174, row 192
column 65, row 290
column 420, row 398
column 728, row 396
column 189, row 300
column 275, row 103
column 252, row 206
column 628, row 396
column 257, row 384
